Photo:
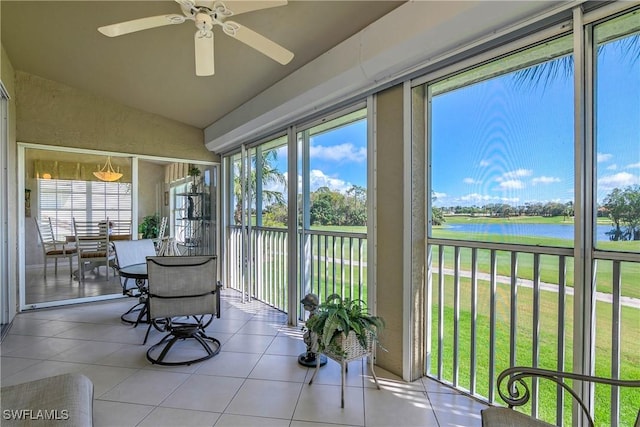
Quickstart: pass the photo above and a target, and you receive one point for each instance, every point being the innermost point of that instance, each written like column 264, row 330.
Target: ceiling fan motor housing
column 204, row 21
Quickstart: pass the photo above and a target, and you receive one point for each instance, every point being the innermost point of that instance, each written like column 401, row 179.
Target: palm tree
column 269, row 174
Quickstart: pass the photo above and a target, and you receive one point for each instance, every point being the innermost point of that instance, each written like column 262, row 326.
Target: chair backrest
column 130, row 252
column 163, row 228
column 91, row 236
column 45, row 231
column 182, row 286
column 120, row 228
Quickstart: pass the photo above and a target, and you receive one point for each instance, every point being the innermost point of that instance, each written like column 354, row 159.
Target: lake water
column 561, row 231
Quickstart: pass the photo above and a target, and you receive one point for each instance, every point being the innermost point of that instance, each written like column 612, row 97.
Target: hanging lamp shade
column 107, row 173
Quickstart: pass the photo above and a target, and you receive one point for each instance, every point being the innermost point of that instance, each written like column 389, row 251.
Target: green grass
column 630, row 344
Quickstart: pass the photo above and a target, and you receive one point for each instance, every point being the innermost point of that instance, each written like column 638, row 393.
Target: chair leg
column 373, row 372
column 343, row 372
column 70, row 266
column 56, row 266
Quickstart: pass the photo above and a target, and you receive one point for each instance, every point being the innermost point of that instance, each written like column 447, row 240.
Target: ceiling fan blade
column 259, row 43
column 140, row 24
column 243, row 6
column 204, row 53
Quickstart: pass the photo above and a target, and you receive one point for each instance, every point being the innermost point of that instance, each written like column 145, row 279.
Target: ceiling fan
column 207, row 14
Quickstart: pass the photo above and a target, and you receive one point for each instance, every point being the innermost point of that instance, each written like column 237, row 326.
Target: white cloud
column 604, row 157
column 471, row 181
column 633, row 166
column 339, row 153
column 544, row 180
column 512, row 184
column 437, row 195
column 518, row 173
column 612, row 167
column 318, row 179
column 619, row 180
column 476, row 197
column 484, row 163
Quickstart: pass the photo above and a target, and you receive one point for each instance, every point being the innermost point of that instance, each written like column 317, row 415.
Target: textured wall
column 54, row 114
column 7, row 77
column 389, row 221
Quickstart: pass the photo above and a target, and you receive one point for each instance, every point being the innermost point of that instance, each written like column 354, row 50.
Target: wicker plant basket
column 351, row 347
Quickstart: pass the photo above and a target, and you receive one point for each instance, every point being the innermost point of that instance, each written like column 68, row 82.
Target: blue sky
column 495, row 142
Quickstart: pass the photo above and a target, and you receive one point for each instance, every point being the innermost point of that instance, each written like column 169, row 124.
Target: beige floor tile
column 230, row 420
column 12, row 342
column 12, row 365
column 397, row 406
column 118, row 414
column 456, row 409
column 272, row 399
column 45, row 368
column 257, row 327
column 171, row 417
column 248, row 343
column 287, row 346
column 88, row 352
column 145, row 387
column 40, row 327
column 331, row 374
column 229, row 364
column 104, row 378
column 204, row 393
column 46, row 348
column 321, row 403
column 128, row 356
column 280, row 368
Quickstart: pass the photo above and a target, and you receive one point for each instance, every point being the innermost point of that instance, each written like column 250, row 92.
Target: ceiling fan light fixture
column 107, row 173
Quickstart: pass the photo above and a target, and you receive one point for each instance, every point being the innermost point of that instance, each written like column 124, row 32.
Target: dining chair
column 131, row 252
column 92, row 243
column 183, row 299
column 120, row 230
column 52, row 248
column 162, row 241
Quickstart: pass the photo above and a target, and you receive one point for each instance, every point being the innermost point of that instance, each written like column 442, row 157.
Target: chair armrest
column 518, row 397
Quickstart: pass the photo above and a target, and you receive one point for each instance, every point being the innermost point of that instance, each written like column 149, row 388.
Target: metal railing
column 331, row 262
column 495, row 306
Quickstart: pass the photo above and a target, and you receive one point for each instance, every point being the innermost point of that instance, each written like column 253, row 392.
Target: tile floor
column 63, row 286
column 254, row 380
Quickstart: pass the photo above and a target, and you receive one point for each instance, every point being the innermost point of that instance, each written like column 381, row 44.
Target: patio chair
column 183, row 300
column 131, row 252
column 92, row 243
column 517, row 394
column 52, row 248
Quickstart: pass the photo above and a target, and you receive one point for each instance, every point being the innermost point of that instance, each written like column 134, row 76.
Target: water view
column 560, row 231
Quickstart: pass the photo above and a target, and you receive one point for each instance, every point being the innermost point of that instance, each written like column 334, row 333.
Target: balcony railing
column 492, row 306
column 497, row 306
column 332, row 262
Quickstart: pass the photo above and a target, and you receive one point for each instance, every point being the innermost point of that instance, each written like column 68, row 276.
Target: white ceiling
column 154, row 70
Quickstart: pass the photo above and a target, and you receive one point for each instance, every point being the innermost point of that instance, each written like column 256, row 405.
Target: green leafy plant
column 337, row 317
column 194, row 171
column 149, row 227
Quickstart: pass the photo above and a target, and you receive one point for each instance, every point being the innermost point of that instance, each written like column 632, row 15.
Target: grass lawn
column 630, row 345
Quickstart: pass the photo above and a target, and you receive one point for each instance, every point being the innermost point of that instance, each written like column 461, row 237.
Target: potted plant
column 194, row 172
column 344, row 328
column 149, row 227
